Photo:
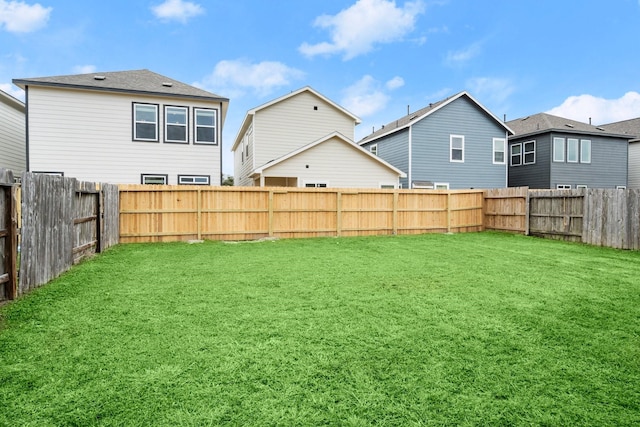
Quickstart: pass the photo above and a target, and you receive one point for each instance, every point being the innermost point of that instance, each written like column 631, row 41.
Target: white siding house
column 631, row 128
column 13, row 145
column 124, row 127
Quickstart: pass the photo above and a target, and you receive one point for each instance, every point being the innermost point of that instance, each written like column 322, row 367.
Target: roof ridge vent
column 167, row 84
column 569, row 125
column 99, row 77
column 600, row 128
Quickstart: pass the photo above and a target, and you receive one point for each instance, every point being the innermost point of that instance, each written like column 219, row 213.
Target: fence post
column 270, row 213
column 395, row 212
column 448, row 211
column 199, row 215
column 339, row 213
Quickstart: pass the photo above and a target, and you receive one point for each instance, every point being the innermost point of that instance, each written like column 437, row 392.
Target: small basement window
column 154, row 179
column 193, row 179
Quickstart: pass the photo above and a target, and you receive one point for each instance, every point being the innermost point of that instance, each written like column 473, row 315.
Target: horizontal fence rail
column 170, row 213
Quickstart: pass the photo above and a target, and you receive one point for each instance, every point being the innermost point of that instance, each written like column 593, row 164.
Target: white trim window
column 563, row 187
column 194, row 179
column 145, row 122
column 573, row 147
column 499, row 151
column 388, row 186
column 585, row 151
column 154, row 179
column 516, row 154
column 579, row 186
column 374, row 149
column 312, row 184
column 621, row 187
column 441, row 185
column 205, row 123
column 176, row 122
column 456, row 145
column 558, row 149
column 529, row 152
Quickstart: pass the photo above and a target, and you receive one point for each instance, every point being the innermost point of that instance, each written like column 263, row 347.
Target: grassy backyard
column 468, row 329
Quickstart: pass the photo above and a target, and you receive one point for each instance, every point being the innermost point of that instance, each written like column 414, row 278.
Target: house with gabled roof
column 303, row 139
column 548, row 151
column 632, row 129
column 124, row 127
column 13, row 145
column 455, row 143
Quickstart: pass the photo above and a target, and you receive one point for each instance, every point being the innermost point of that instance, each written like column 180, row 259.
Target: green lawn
column 468, row 329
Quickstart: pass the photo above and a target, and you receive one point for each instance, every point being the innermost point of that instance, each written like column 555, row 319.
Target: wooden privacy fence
column 62, row 222
column 8, row 236
column 173, row 213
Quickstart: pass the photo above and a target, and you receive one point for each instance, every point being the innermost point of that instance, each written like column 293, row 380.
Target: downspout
column 220, row 147
column 506, row 159
column 409, row 172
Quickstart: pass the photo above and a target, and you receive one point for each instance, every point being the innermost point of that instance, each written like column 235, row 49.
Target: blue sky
column 373, row 57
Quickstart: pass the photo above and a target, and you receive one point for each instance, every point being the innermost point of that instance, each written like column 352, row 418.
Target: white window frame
column 563, row 187
column 556, row 153
column 451, row 148
column 573, row 148
column 525, row 152
column 136, row 121
column 315, row 184
column 185, row 126
column 153, row 176
column 440, row 185
column 621, row 187
column 374, row 149
column 578, row 186
column 503, row 142
column 584, row 142
column 511, row 154
column 192, row 179
column 196, row 126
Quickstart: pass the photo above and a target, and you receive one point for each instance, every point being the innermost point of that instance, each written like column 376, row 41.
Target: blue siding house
column 455, row 143
column 548, row 151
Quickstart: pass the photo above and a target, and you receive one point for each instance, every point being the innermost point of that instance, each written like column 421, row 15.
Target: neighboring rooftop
column 8, row 99
column 543, row 122
column 629, row 127
column 135, row 81
column 421, row 113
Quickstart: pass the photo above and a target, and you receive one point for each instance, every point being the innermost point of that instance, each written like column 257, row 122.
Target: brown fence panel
column 8, row 236
column 557, row 214
column 169, row 213
column 507, row 209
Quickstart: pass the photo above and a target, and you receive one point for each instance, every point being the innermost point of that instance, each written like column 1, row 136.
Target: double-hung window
column 145, row 122
column 529, row 149
column 558, row 149
column 499, row 148
column 374, row 149
column 456, row 143
column 176, row 124
column 516, row 154
column 585, row 151
column 572, row 150
column 205, row 123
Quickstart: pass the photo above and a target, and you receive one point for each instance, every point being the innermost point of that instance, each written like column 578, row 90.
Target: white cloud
column 463, row 56
column 12, row 90
column 234, row 77
column 356, row 30
column 20, row 17
column 365, row 97
column 84, row 69
column 395, row 83
column 177, row 10
column 490, row 89
column 600, row 110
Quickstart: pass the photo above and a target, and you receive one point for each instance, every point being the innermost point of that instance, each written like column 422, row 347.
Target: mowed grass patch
column 467, row 329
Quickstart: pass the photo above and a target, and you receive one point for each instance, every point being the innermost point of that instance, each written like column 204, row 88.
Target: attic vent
column 569, row 125
column 412, row 117
column 599, row 128
column 167, row 84
column 99, row 77
column 525, row 118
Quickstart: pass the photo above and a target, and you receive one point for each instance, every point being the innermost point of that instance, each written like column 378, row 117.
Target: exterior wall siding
column 293, row 123
column 12, row 137
column 431, row 147
column 394, row 149
column 634, row 165
column 245, row 164
column 88, row 135
column 336, row 163
column 608, row 167
column 536, row 175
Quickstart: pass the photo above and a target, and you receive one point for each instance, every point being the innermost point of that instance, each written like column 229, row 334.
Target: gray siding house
column 455, row 143
column 548, row 151
column 631, row 128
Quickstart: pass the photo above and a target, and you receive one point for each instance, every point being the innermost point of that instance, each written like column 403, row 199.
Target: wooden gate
column 8, row 237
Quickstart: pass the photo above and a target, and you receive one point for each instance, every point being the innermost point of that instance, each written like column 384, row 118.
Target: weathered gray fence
column 612, row 218
column 62, row 222
column 8, row 236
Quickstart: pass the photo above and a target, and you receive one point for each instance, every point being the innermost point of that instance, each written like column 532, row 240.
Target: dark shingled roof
column 543, row 122
column 135, row 81
column 628, row 127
